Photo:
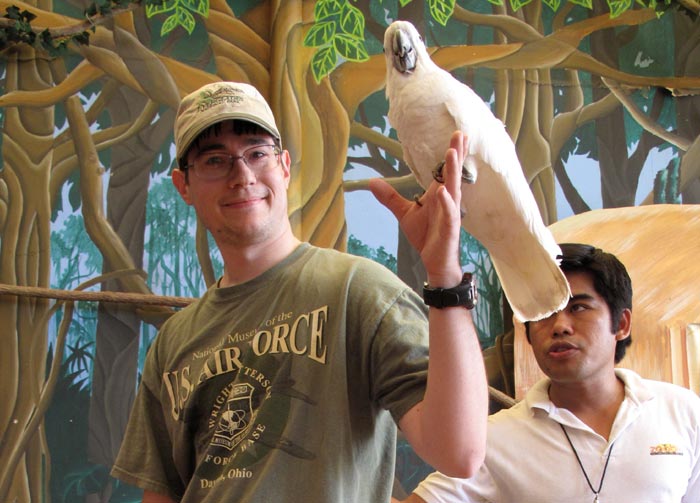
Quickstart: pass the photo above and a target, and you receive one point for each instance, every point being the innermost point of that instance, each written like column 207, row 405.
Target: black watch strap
column 463, row 294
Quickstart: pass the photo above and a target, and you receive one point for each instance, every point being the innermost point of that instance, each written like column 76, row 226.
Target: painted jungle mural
column 96, row 248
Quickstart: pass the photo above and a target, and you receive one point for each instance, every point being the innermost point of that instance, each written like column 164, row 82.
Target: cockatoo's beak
column 404, row 55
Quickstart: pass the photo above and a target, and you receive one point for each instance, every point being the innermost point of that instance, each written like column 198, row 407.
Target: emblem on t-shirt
column 235, row 418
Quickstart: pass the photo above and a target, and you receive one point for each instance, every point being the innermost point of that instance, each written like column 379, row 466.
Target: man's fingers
column 454, row 157
column 453, row 172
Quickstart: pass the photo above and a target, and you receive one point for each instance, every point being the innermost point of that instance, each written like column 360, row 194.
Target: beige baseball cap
column 218, row 102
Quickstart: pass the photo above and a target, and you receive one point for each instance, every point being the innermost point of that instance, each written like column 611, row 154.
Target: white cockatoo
column 426, row 105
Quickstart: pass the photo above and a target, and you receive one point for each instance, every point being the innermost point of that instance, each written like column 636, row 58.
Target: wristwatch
column 464, row 294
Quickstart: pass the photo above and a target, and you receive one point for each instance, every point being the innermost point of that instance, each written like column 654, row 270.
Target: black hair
column 610, row 280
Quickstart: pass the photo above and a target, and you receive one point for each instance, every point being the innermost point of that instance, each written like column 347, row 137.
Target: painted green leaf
column 187, row 20
column 352, row 22
column 552, row 4
column 518, row 4
column 441, row 10
column 617, row 7
column 404, row 3
column 200, row 7
column 166, row 6
column 350, row 48
column 497, row 2
column 323, row 62
column 169, row 25
column 182, row 17
column 325, row 9
column 320, row 34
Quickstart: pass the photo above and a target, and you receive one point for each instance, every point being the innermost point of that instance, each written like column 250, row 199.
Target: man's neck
column 246, row 263
column 594, row 403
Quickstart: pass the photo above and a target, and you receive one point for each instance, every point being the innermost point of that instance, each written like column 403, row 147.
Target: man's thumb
column 387, row 195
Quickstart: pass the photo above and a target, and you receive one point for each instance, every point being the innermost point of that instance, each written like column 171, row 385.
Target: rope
column 117, row 297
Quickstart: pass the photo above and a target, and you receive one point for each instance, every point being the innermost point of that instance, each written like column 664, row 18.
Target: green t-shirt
column 285, row 388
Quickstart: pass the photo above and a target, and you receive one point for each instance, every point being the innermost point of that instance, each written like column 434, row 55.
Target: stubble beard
column 227, row 236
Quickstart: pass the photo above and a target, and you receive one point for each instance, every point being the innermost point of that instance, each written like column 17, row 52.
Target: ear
column 286, row 161
column 625, row 326
column 180, row 182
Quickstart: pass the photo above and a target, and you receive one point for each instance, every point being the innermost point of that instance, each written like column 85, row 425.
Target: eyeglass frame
column 276, row 152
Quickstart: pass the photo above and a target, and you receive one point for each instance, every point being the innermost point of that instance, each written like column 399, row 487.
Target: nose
column 561, row 324
column 240, row 174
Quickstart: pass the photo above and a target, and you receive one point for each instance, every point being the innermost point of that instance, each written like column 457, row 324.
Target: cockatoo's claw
column 416, row 199
column 437, row 173
column 468, row 176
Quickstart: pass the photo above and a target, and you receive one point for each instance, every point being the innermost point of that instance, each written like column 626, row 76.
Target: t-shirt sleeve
column 145, row 458
column 400, row 355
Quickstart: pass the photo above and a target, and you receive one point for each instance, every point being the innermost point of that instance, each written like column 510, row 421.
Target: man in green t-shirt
column 287, row 379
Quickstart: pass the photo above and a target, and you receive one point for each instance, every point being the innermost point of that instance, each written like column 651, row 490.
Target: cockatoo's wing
column 426, row 105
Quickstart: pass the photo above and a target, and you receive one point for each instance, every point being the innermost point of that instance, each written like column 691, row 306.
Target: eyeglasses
column 216, row 165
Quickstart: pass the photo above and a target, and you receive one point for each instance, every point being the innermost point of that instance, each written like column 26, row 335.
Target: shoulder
column 514, row 416
column 176, row 330
column 667, row 388
column 341, row 257
column 337, row 263
column 662, row 399
column 508, row 425
column 526, row 418
column 675, row 395
column 637, row 385
column 180, row 315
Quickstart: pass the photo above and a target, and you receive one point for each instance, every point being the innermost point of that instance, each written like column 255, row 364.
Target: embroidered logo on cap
column 666, row 449
column 208, row 99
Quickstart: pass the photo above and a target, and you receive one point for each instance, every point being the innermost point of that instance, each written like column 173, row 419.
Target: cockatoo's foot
column 468, row 175
column 437, row 173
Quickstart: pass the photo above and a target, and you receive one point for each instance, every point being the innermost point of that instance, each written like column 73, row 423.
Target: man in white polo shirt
column 589, row 431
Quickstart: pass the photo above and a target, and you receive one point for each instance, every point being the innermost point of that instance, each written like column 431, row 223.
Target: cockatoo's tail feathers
column 534, row 292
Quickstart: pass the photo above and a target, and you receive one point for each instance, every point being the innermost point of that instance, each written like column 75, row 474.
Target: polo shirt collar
column 637, row 392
